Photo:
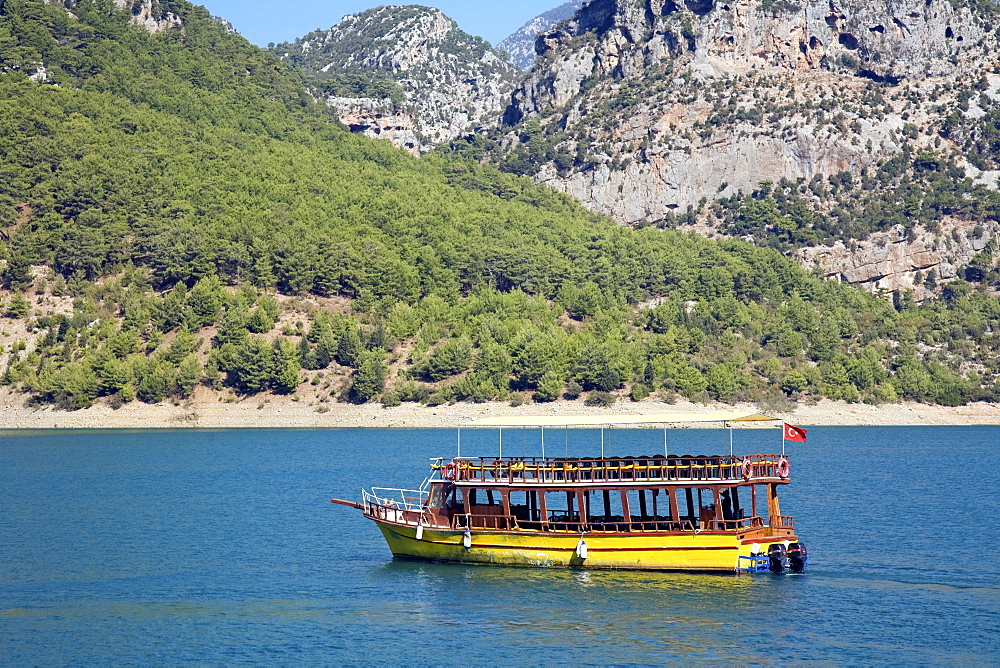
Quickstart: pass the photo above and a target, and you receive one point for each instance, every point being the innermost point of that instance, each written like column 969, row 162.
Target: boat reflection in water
column 633, row 615
column 703, row 513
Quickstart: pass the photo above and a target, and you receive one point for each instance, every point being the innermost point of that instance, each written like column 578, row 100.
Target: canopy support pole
column 501, row 442
column 730, row 425
column 664, row 441
column 543, row 442
column 602, row 442
column 459, row 441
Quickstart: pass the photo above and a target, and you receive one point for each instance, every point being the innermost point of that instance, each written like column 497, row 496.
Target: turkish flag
column 793, row 433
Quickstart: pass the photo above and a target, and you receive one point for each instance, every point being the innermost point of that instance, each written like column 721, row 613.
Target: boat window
column 456, row 500
column 734, row 505
column 661, row 504
column 707, row 508
column 649, row 504
column 640, row 505
column 604, row 505
column 437, row 496
column 650, row 508
column 696, row 505
column 485, row 497
column 561, row 506
column 524, row 505
column 758, row 501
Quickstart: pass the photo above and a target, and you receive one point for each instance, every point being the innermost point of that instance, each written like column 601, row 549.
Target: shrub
column 573, row 390
column 18, row 307
column 639, row 392
column 600, row 398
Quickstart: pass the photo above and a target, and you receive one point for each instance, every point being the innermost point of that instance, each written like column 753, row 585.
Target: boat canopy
column 607, row 420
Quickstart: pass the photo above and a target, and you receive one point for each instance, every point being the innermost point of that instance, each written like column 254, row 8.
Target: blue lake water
column 222, row 546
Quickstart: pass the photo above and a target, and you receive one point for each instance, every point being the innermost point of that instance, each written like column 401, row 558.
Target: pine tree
column 188, row 375
column 349, row 347
column 204, row 302
column 369, row 379
column 549, row 387
column 259, row 322
column 285, row 358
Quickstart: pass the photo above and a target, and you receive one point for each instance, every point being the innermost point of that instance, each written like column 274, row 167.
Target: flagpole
column 782, row 439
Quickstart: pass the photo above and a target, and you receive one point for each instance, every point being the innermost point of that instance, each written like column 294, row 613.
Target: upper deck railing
column 614, row 470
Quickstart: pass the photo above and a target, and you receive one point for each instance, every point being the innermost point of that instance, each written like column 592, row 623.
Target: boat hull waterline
column 704, row 552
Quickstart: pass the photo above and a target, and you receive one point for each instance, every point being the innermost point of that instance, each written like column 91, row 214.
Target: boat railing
column 394, row 505
column 404, row 499
column 659, row 468
column 782, row 521
column 500, row 522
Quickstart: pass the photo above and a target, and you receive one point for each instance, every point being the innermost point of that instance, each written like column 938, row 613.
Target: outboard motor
column 776, row 558
column 798, row 557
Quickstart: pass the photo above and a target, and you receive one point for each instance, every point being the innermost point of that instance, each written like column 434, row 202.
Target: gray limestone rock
column 667, row 102
column 155, row 17
column 443, row 82
column 892, row 260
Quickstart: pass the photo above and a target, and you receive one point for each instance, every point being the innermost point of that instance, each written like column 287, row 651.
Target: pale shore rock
column 287, row 414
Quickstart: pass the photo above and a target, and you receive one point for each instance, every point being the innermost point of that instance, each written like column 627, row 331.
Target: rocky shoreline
column 289, row 414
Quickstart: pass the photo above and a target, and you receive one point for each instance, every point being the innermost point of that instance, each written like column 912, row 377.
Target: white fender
column 420, row 530
column 581, row 549
column 467, row 540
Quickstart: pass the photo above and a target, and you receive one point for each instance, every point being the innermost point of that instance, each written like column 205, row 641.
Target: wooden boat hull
column 720, row 552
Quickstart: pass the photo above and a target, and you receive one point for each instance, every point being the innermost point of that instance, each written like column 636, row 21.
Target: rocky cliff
column 899, row 259
column 407, row 74
column 520, row 46
column 642, row 108
column 152, row 15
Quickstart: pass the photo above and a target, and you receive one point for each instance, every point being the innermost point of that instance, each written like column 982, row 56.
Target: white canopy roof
column 599, row 420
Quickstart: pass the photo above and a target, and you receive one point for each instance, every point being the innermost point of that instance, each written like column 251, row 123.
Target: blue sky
column 263, row 21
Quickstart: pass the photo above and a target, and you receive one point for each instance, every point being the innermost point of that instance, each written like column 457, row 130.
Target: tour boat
column 716, row 513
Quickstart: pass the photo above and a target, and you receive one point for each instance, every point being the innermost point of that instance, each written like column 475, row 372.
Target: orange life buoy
column 747, row 469
column 449, row 471
column 782, row 468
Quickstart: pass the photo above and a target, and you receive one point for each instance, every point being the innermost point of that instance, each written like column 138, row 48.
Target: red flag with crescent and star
column 793, row 433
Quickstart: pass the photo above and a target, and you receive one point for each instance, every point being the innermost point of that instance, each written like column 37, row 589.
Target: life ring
column 449, row 471
column 782, row 468
column 747, row 469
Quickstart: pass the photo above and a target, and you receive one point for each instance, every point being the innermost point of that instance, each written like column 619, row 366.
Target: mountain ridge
column 428, row 82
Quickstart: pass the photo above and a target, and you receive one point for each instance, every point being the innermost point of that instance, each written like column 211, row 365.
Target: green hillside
column 177, row 213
